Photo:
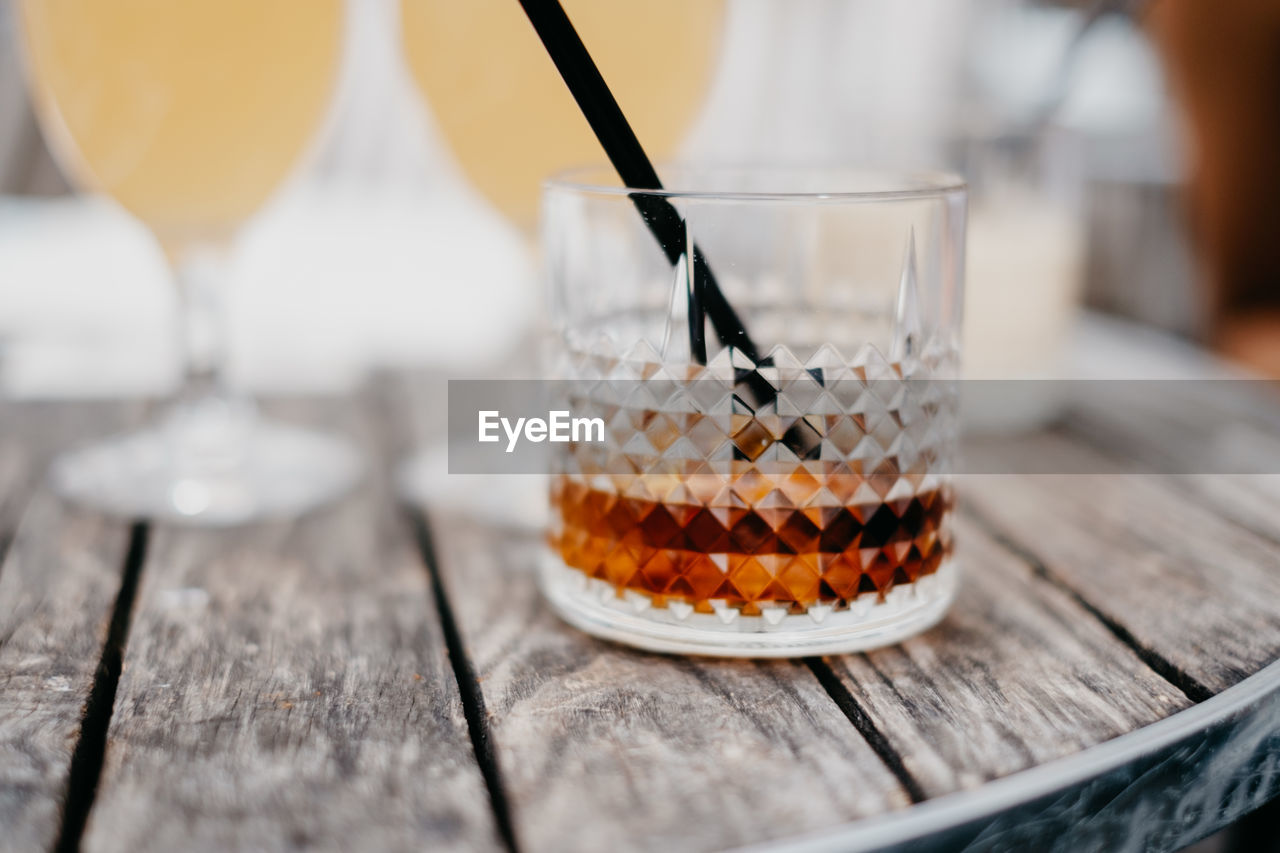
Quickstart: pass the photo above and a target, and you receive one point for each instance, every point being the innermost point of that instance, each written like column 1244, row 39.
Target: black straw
column 636, row 171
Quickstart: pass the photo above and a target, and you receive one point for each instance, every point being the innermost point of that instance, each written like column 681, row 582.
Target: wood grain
column 1190, row 587
column 286, row 686
column 1220, row 440
column 605, row 748
column 1017, row 674
column 57, row 587
column 1250, row 500
column 59, row 579
column 15, row 474
column 32, row 432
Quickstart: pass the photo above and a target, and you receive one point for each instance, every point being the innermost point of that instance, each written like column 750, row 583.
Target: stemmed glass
column 189, row 114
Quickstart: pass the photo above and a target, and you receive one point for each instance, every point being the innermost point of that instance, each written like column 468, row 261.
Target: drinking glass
column 189, row 115
column 791, row 495
column 507, row 115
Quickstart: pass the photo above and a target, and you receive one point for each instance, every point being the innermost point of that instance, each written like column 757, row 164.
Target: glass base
column 209, row 466
column 595, row 607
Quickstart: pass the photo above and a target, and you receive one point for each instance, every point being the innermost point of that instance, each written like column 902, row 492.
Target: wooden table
column 376, row 676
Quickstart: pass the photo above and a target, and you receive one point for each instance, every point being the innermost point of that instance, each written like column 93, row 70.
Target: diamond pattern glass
column 834, row 489
column 777, row 500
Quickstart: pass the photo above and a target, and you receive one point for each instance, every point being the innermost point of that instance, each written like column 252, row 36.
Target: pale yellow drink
column 507, row 114
column 188, row 112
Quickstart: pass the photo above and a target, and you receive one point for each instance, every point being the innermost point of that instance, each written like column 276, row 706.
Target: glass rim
column 881, row 184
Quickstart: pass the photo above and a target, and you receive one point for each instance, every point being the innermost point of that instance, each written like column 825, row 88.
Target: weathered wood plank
column 32, row 432
column 1031, row 666
column 58, row 583
column 57, row 587
column 1160, row 788
column 1016, row 675
column 604, row 748
column 1190, row 588
column 285, row 686
column 15, row 476
column 1250, row 500
column 1220, row 440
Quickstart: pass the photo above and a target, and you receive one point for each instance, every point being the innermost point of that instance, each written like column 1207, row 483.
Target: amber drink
column 789, row 501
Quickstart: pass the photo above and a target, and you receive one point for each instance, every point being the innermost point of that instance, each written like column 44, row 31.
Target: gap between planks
column 88, row 754
column 1176, row 571
column 331, row 611
column 468, row 683
column 861, row 720
column 478, row 721
column 836, row 690
column 32, row 433
column 87, row 758
column 91, row 746
column 1156, row 662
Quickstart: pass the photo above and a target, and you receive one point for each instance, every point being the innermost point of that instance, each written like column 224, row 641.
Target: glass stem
column 202, row 326
column 207, row 424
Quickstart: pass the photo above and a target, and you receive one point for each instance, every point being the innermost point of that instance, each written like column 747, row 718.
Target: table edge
column 1234, row 708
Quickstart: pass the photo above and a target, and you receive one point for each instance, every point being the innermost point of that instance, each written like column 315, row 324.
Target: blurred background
column 1122, row 158
column 1121, row 155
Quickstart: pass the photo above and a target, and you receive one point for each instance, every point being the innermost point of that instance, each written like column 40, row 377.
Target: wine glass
column 189, row 114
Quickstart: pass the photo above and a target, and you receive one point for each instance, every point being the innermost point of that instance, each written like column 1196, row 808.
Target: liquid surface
column 508, row 116
column 188, row 113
